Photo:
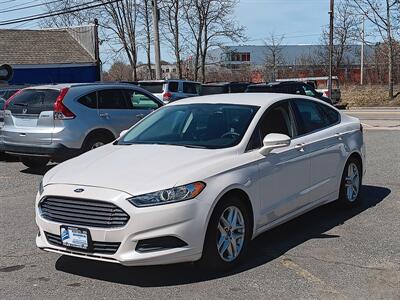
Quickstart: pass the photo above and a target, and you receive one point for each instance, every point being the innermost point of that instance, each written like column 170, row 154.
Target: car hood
column 138, row 169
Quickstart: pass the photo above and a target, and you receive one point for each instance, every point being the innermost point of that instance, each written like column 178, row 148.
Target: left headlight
column 175, row 194
column 41, row 187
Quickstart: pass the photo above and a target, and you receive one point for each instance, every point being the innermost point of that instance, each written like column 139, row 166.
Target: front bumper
column 181, row 220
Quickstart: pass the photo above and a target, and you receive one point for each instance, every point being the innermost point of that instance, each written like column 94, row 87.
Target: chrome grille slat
column 80, row 211
column 76, row 211
column 98, row 247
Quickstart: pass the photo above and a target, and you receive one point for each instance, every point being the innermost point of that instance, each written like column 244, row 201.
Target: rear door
column 318, row 125
column 113, row 109
column 140, row 105
column 29, row 118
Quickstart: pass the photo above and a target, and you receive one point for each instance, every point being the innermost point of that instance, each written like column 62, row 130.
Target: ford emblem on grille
column 78, row 190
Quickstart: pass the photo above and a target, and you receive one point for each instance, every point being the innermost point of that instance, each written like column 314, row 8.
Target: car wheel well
column 243, row 197
column 101, row 132
column 357, row 156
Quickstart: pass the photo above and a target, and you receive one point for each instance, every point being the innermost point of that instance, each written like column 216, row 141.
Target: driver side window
column 277, row 119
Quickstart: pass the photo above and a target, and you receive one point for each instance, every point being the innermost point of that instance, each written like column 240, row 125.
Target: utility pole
column 331, row 16
column 97, row 50
column 157, row 54
column 362, row 52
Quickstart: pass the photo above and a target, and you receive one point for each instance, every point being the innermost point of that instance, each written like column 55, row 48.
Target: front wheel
column 35, row 162
column 350, row 186
column 228, row 234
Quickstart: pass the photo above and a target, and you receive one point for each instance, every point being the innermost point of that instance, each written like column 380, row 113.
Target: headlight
column 176, row 194
column 41, row 187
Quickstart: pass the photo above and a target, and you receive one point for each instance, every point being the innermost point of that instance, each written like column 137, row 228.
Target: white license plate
column 74, row 237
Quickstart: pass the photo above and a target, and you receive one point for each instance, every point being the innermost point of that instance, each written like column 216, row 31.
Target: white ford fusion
column 199, row 178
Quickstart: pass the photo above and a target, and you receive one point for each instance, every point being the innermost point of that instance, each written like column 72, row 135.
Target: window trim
column 317, row 103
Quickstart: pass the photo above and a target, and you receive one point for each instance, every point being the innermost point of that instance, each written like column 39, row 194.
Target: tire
column 213, row 256
column 35, row 162
column 351, row 183
column 96, row 140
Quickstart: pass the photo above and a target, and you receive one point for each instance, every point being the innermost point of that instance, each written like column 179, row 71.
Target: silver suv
column 171, row 90
column 57, row 122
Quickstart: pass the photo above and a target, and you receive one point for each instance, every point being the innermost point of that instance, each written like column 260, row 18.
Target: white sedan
column 199, row 179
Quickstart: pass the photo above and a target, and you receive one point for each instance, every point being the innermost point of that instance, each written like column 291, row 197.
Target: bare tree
column 146, row 21
column 345, row 33
column 210, row 23
column 385, row 16
column 172, row 18
column 273, row 56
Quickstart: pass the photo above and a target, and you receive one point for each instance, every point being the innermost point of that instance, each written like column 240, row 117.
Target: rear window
column 152, row 87
column 33, row 101
column 213, row 89
column 173, row 86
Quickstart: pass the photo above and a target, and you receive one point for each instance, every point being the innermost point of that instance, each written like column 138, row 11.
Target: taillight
column 61, row 112
column 167, row 96
column 9, row 99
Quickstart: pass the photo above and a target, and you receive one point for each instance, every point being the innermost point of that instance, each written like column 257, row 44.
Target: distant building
column 50, row 55
column 292, row 60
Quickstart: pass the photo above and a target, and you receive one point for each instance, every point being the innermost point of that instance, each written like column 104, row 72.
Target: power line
column 29, row 6
column 56, row 13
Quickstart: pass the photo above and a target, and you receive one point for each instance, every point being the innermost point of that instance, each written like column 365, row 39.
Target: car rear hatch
column 30, row 117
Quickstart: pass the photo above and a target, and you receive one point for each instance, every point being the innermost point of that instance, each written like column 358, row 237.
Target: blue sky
column 300, row 21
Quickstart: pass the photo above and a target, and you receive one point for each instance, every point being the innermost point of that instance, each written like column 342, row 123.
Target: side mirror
column 123, row 133
column 273, row 141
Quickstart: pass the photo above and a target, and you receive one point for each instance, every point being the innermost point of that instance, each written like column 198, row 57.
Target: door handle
column 104, row 115
column 339, row 136
column 299, row 147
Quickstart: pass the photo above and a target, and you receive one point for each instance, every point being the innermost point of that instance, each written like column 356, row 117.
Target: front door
column 285, row 172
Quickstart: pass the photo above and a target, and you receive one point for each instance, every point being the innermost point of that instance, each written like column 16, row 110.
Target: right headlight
column 41, row 189
column 172, row 195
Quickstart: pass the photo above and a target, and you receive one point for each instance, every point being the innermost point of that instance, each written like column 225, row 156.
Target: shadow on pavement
column 8, row 158
column 263, row 249
column 38, row 171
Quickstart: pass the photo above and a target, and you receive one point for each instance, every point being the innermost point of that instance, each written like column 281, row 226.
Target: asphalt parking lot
column 329, row 253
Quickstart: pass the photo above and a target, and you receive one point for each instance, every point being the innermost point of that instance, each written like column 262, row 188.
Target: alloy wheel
column 231, row 233
column 352, row 182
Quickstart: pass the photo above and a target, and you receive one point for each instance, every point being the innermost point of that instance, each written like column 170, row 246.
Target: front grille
column 98, row 247
column 83, row 212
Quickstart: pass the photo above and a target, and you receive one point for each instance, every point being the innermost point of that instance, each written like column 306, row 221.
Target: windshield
column 33, row 101
column 210, row 126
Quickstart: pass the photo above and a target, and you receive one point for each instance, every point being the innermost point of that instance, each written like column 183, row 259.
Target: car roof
column 60, row 86
column 257, row 99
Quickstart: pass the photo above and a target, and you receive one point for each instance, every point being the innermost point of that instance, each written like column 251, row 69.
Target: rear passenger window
column 331, row 114
column 189, row 88
column 89, row 100
column 173, row 87
column 309, row 116
column 111, row 99
column 140, row 100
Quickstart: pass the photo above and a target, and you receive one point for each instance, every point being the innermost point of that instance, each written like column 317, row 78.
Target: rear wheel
column 350, row 186
column 228, row 235
column 35, row 162
column 95, row 141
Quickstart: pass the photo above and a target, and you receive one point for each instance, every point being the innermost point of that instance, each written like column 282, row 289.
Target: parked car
column 223, row 88
column 7, row 92
column 287, row 87
column 56, row 122
column 320, row 84
column 171, row 90
column 2, row 103
column 199, row 178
